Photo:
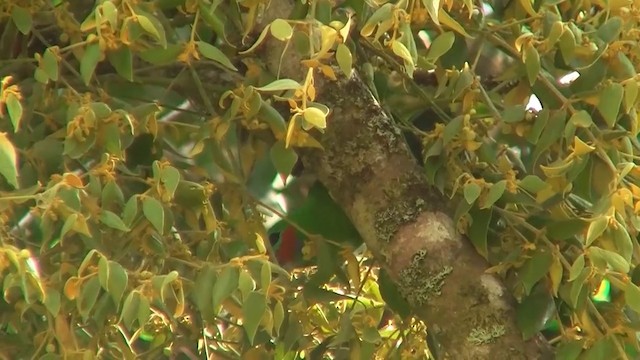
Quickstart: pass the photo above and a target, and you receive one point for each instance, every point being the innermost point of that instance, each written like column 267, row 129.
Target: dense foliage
column 140, row 140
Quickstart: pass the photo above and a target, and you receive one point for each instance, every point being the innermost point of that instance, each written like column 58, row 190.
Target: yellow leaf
column 526, row 4
column 328, row 72
column 290, row 130
column 580, row 147
column 557, row 169
column 353, row 269
column 401, row 50
column 73, row 180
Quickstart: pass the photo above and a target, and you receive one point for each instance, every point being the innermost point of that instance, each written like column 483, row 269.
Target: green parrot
column 317, row 215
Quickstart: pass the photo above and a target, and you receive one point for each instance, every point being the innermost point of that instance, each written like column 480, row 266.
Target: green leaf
column 253, row 309
column 452, row 129
column 576, row 288
column 283, row 159
column 534, row 312
column 117, row 282
column 88, row 296
column 617, row 262
column 50, row 64
column 161, row 56
column 130, row 309
column 8, row 160
column 567, row 45
column 632, row 296
column 130, row 210
column 154, row 212
column 110, row 12
column 433, row 8
column 280, row 85
column 581, row 119
column 203, row 291
column 208, row 14
column 226, row 284
column 532, row 63
column 565, row 229
column 153, row 27
column 610, row 30
column 535, row 268
column 479, row 229
column 22, row 18
column 52, row 301
column 623, row 241
column 609, row 103
column 278, row 316
column 211, row 52
column 569, row 350
column 344, row 59
column 495, row 193
column 596, row 229
column 281, row 30
column 122, row 61
column 601, row 349
column 113, row 221
column 170, row 177
column 89, row 62
column 441, row 45
column 391, row 295
column 576, row 268
column 471, row 192
column 273, row 118
column 514, row 114
column 14, row 108
column 532, row 184
column 539, row 125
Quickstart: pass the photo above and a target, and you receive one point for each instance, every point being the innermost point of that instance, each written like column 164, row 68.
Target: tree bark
column 370, row 172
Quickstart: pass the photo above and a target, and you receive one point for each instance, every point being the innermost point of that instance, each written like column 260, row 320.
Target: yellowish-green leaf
column 581, row 119
column 448, row 21
column 532, row 62
column 527, row 6
column 154, row 212
column 609, row 103
column 433, row 8
column 89, row 62
column 50, row 64
column 259, row 41
column 617, row 262
column 8, row 160
column 630, row 95
column 632, row 296
column 14, row 108
column 596, row 229
column 22, row 18
column 280, row 85
column 441, row 45
column 471, row 192
column 211, row 52
column 576, row 268
column 345, row 59
column 315, row 117
column 495, row 193
column 281, row 29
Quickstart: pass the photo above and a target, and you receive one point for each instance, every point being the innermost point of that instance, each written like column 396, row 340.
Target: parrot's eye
column 274, row 238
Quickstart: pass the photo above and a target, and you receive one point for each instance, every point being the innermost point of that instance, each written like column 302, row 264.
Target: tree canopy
column 310, row 179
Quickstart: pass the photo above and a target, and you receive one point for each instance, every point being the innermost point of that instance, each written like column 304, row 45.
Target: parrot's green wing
column 320, row 215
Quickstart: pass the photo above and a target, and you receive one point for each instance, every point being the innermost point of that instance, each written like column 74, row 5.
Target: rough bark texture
column 369, row 171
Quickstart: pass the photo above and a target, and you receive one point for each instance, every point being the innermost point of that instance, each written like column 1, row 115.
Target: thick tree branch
column 370, row 172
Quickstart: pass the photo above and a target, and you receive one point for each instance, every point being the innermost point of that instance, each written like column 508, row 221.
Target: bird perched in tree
column 317, row 215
